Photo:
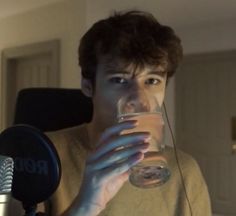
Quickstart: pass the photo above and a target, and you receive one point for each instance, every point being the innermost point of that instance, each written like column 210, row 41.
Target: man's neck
column 94, row 133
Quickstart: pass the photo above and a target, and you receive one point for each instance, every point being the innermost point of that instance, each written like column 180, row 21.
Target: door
column 34, row 65
column 206, row 122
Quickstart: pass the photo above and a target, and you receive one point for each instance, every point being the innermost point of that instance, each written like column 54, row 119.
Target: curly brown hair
column 135, row 37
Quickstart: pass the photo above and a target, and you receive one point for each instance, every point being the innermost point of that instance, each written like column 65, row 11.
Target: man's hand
column 107, row 168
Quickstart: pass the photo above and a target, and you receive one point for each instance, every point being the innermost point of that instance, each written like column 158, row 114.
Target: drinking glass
column 153, row 170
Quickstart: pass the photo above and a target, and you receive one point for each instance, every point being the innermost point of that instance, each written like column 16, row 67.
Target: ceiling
column 174, row 12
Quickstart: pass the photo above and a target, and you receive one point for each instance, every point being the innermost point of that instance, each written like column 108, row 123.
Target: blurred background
column 38, row 45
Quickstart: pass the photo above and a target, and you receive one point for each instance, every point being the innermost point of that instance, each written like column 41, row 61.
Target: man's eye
column 152, row 81
column 118, row 80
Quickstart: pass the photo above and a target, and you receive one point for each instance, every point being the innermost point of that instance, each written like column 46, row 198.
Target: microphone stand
column 30, row 210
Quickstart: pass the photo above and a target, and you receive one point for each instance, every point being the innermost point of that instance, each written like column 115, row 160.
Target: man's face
column 114, row 80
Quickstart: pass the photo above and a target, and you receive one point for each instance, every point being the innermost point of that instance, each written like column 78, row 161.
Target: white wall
column 64, row 20
column 208, row 37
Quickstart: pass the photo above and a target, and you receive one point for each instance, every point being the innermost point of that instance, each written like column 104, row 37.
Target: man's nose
column 138, row 101
column 138, row 106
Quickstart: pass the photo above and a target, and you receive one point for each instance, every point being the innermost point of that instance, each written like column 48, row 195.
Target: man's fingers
column 119, row 142
column 116, row 130
column 122, row 167
column 115, row 157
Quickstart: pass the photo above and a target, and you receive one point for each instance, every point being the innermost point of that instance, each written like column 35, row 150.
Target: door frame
column 10, row 55
column 200, row 58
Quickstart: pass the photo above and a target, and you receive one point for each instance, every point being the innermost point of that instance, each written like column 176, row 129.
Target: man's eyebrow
column 125, row 72
column 158, row 72
column 116, row 71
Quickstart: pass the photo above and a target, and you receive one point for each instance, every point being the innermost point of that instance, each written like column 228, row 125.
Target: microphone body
column 4, row 200
column 37, row 168
column 6, row 176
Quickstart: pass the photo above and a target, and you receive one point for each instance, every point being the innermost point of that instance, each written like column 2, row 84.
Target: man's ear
column 86, row 87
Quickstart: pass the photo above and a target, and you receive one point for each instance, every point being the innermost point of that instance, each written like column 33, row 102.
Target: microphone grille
column 6, row 174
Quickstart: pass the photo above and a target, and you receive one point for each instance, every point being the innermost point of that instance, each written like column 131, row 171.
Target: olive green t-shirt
column 170, row 199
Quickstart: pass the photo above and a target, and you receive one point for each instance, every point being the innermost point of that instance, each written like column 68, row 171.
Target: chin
column 110, row 123
column 104, row 121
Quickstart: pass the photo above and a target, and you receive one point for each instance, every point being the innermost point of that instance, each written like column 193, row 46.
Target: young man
column 127, row 51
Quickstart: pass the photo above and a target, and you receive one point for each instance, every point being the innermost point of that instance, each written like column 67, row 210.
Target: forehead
column 113, row 65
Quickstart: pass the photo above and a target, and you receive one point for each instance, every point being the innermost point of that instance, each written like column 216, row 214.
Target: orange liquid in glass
column 147, row 122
